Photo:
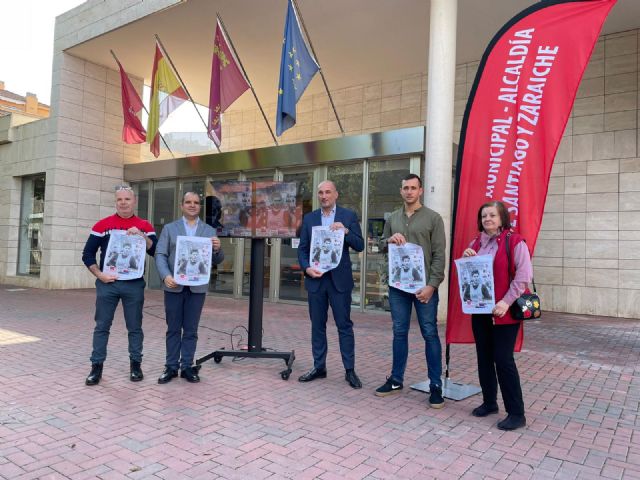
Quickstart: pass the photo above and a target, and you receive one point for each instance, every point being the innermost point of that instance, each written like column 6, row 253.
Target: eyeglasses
column 123, row 187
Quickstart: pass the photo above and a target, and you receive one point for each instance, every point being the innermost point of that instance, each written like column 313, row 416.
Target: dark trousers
column 182, row 311
column 340, row 302
column 494, row 347
column 131, row 293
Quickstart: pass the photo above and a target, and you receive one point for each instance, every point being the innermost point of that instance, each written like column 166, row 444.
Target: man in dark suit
column 333, row 287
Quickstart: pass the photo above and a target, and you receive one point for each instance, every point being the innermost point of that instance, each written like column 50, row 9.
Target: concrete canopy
column 356, row 41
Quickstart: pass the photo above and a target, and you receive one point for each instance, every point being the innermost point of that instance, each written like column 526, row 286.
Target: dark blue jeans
column 131, row 292
column 183, row 311
column 400, row 303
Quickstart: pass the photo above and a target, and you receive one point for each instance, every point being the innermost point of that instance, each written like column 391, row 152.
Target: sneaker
column 435, row 397
column 390, row 387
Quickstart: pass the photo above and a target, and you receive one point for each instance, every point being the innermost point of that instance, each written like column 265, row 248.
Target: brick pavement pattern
column 580, row 379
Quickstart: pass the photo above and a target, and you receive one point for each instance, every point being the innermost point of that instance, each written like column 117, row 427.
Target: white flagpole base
column 450, row 389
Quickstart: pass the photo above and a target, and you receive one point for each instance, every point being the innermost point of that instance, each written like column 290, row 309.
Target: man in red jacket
column 110, row 290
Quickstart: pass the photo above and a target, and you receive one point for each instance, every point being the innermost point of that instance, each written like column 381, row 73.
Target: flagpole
column 146, row 111
column 295, row 6
column 230, row 42
column 183, row 85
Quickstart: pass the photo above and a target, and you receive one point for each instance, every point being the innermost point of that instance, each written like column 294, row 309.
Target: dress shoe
column 190, row 375
column 95, row 375
column 484, row 410
column 352, row 379
column 313, row 374
column 135, row 372
column 167, row 375
column 512, row 422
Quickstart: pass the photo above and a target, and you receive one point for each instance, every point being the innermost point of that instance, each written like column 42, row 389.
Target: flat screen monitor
column 254, row 209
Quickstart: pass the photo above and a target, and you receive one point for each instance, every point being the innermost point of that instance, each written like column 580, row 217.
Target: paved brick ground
column 580, row 379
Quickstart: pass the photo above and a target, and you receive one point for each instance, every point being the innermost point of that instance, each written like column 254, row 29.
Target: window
column 31, row 220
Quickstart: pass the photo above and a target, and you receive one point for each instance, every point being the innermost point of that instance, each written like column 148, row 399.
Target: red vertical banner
column 514, row 120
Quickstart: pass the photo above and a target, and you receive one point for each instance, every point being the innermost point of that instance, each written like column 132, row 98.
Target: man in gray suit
column 182, row 304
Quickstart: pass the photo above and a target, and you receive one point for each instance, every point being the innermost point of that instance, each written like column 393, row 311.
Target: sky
column 26, row 44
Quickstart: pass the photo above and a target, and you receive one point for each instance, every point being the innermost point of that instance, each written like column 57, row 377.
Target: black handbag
column 527, row 306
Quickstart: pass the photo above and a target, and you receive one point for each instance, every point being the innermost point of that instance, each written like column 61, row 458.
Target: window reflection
column 291, row 275
column 31, row 220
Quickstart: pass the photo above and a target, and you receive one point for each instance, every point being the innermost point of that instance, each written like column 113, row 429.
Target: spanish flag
column 167, row 94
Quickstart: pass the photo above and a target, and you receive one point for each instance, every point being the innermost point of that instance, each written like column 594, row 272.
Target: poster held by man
column 125, row 255
column 193, row 260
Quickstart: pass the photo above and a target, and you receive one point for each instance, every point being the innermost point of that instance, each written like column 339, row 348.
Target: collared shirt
column 191, row 230
column 425, row 228
column 521, row 261
column 327, row 220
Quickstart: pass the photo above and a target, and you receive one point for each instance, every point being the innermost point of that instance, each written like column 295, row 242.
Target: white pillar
column 439, row 142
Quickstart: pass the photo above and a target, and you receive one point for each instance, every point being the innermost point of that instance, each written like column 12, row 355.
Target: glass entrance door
column 383, row 193
column 291, row 275
column 164, row 211
column 348, row 181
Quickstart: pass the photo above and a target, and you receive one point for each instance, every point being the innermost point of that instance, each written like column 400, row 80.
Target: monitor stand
column 255, row 349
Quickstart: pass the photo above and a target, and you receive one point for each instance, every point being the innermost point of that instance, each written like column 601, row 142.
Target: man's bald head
column 327, row 195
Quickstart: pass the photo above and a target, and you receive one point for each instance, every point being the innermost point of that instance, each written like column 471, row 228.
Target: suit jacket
column 341, row 276
column 166, row 252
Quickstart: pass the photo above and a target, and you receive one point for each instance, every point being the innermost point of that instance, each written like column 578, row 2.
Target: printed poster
column 326, row 248
column 125, row 255
column 475, row 281
column 406, row 267
column 192, row 265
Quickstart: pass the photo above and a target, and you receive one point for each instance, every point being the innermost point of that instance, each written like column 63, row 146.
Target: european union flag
column 297, row 68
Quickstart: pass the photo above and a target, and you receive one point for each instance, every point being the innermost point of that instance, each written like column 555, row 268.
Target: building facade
column 586, row 259
column 28, row 106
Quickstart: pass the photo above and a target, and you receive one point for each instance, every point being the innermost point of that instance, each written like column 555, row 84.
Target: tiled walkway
column 580, row 377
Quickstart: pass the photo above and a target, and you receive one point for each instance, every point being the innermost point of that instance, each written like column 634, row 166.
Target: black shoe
column 95, row 375
column 484, row 410
column 389, row 388
column 352, row 379
column 313, row 374
column 512, row 422
column 167, row 375
column 435, row 397
column 190, row 375
column 135, row 372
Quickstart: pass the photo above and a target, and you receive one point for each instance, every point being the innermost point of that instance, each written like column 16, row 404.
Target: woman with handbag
column 495, row 334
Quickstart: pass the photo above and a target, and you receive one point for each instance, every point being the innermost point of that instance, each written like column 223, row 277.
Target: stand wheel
column 197, row 368
column 217, row 358
column 285, row 374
